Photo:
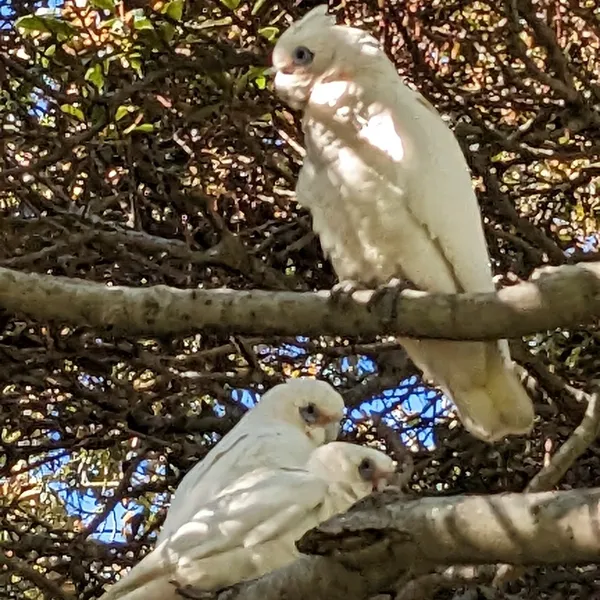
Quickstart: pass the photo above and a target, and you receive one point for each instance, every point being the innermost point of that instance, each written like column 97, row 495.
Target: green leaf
column 257, row 6
column 255, row 72
column 31, row 23
column 113, row 23
column 269, row 32
column 69, row 109
column 174, row 9
column 232, row 4
column 95, row 75
column 135, row 60
column 104, row 4
column 121, row 112
column 98, row 115
column 257, row 76
column 46, row 24
column 145, row 127
column 211, row 23
column 140, row 22
column 167, row 31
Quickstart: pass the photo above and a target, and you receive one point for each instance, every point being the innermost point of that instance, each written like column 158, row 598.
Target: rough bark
column 386, row 537
column 564, row 296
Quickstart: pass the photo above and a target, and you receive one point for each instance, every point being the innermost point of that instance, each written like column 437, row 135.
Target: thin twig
column 48, row 587
column 579, row 441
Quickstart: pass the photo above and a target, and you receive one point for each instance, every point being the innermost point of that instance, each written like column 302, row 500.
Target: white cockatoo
column 391, row 198
column 286, row 425
column 250, row 527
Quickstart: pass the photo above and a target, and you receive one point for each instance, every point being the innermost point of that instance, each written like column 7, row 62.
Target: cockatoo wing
column 479, row 377
column 224, row 541
column 254, row 445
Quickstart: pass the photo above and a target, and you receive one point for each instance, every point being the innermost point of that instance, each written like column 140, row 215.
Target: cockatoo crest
column 312, row 405
column 314, row 50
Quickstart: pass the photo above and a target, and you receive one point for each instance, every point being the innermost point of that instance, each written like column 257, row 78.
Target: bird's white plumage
column 251, row 526
column 271, row 434
column 391, row 196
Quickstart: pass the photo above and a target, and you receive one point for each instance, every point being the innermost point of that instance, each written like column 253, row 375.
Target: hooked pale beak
column 383, row 480
column 332, row 430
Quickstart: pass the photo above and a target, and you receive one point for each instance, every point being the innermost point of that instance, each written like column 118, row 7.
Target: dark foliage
column 142, row 144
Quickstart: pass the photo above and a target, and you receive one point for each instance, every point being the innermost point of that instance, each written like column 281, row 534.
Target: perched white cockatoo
column 391, row 197
column 250, row 528
column 286, row 425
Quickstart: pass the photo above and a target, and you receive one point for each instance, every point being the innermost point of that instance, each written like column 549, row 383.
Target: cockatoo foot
column 342, row 292
column 195, row 594
column 385, row 298
column 189, row 591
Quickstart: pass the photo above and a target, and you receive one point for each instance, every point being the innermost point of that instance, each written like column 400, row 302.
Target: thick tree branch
column 564, row 296
column 580, row 440
column 385, row 537
column 522, row 529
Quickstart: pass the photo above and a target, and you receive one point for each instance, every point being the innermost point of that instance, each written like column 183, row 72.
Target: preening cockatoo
column 286, row 425
column 251, row 527
column 391, row 197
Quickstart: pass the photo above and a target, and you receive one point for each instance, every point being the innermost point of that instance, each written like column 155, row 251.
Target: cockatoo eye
column 302, row 56
column 309, row 413
column 366, row 469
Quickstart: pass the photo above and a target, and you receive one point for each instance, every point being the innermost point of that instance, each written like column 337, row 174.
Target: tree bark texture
column 386, row 537
column 566, row 296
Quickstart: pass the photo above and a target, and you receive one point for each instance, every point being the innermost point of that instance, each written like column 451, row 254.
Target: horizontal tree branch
column 565, row 296
column 386, row 537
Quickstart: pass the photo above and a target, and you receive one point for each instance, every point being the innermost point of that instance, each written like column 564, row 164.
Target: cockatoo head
column 363, row 470
column 312, row 405
column 314, row 49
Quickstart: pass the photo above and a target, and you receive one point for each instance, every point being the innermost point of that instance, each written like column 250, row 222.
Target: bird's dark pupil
column 310, row 408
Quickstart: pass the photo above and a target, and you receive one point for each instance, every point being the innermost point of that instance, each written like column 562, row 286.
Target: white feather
column 251, row 526
column 272, row 434
column 391, row 196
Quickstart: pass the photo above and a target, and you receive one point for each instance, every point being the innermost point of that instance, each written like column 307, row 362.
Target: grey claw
column 384, row 299
column 342, row 292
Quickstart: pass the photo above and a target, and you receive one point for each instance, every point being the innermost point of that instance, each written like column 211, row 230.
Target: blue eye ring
column 302, row 56
column 366, row 469
column 309, row 413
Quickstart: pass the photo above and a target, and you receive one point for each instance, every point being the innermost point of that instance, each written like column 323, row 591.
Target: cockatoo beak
column 323, row 430
column 332, row 430
column 330, row 425
column 383, row 479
